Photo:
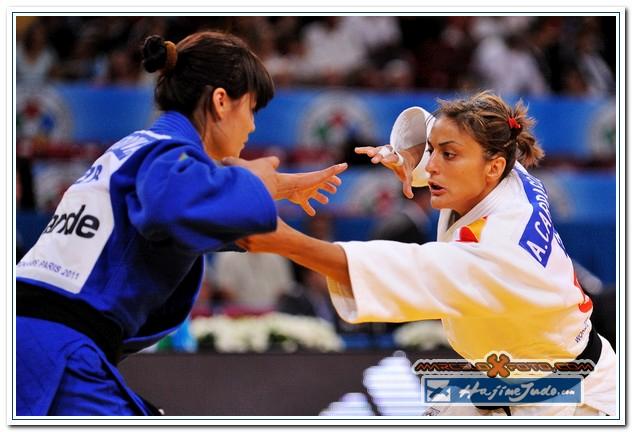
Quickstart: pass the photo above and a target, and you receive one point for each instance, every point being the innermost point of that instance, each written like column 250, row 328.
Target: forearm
column 323, row 257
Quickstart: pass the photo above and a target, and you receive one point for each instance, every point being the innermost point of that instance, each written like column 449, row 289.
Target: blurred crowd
column 513, row 54
column 275, row 284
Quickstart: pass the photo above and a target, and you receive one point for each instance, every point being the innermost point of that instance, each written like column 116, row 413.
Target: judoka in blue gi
column 120, row 263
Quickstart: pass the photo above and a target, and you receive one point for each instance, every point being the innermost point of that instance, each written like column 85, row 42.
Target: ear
column 219, row 102
column 495, row 168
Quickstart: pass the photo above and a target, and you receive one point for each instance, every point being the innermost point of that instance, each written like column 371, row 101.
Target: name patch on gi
column 539, row 233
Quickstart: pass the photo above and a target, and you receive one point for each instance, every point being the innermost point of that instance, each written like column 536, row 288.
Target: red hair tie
column 513, row 124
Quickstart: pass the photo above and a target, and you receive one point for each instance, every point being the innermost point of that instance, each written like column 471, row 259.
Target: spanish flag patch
column 472, row 233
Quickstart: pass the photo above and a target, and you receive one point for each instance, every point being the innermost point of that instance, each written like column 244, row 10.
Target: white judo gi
column 498, row 278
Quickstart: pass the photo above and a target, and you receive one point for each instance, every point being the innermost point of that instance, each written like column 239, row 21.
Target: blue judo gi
column 125, row 244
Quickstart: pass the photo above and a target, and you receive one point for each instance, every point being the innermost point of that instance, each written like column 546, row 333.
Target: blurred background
column 341, row 82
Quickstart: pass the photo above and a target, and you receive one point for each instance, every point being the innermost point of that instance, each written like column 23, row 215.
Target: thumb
column 340, row 168
column 314, row 178
column 407, row 187
column 273, row 160
column 333, row 170
column 230, row 160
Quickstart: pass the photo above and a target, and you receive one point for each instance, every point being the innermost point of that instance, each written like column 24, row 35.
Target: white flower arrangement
column 422, row 335
column 258, row 334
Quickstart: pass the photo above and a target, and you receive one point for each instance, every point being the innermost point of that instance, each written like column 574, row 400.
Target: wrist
column 281, row 189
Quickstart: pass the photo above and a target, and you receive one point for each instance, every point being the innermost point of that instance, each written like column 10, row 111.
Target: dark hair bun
column 154, row 53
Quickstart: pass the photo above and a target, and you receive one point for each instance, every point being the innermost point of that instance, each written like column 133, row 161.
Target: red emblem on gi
column 472, row 233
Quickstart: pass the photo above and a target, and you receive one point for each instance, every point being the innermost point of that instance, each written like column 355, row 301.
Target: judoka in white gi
column 498, row 275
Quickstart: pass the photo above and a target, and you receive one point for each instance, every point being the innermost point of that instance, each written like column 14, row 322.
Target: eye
column 448, row 155
column 429, row 150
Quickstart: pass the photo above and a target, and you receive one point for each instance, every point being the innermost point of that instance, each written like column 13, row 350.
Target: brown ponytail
column 498, row 128
column 528, row 151
column 202, row 61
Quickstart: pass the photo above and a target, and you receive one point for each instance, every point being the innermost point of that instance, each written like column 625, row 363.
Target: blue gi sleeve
column 181, row 196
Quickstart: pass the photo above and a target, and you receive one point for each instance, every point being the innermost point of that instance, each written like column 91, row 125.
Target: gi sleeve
column 413, row 126
column 396, row 282
column 182, row 197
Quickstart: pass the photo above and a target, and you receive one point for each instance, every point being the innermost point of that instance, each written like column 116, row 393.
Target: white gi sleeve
column 396, row 282
column 412, row 127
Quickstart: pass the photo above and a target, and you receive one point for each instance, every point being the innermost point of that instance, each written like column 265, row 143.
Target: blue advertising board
column 315, row 118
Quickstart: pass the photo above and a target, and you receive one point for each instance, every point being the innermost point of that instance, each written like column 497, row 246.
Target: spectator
column 87, row 62
column 411, row 224
column 252, row 281
column 324, row 38
column 309, row 297
column 505, row 65
column 25, row 195
column 279, row 66
column 499, row 26
column 34, row 59
column 398, row 74
column 376, row 32
column 592, row 67
column 381, row 37
column 122, row 68
column 544, row 45
column 573, row 82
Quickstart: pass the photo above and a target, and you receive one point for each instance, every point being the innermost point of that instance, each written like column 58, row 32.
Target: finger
column 334, row 169
column 408, row 191
column 230, row 160
column 323, row 199
column 385, row 150
column 274, row 161
column 391, row 159
column 377, row 158
column 335, row 180
column 310, row 179
column 369, row 151
column 307, row 208
column 407, row 187
column 340, row 167
column 328, row 187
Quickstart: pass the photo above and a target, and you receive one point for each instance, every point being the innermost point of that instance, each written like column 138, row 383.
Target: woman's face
column 459, row 175
column 231, row 126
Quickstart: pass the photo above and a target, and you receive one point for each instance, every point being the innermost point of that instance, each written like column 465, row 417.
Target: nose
column 432, row 165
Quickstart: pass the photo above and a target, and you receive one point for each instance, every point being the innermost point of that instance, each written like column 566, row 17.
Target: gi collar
column 176, row 125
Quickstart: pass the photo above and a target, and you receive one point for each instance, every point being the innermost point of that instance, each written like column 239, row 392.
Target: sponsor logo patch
column 83, row 225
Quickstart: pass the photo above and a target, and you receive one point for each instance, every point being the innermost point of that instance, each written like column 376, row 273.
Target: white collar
column 484, row 208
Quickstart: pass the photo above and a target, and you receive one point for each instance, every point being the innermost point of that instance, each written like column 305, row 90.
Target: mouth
column 436, row 189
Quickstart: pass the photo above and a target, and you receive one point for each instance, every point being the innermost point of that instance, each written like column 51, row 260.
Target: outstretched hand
column 298, row 188
column 401, row 162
